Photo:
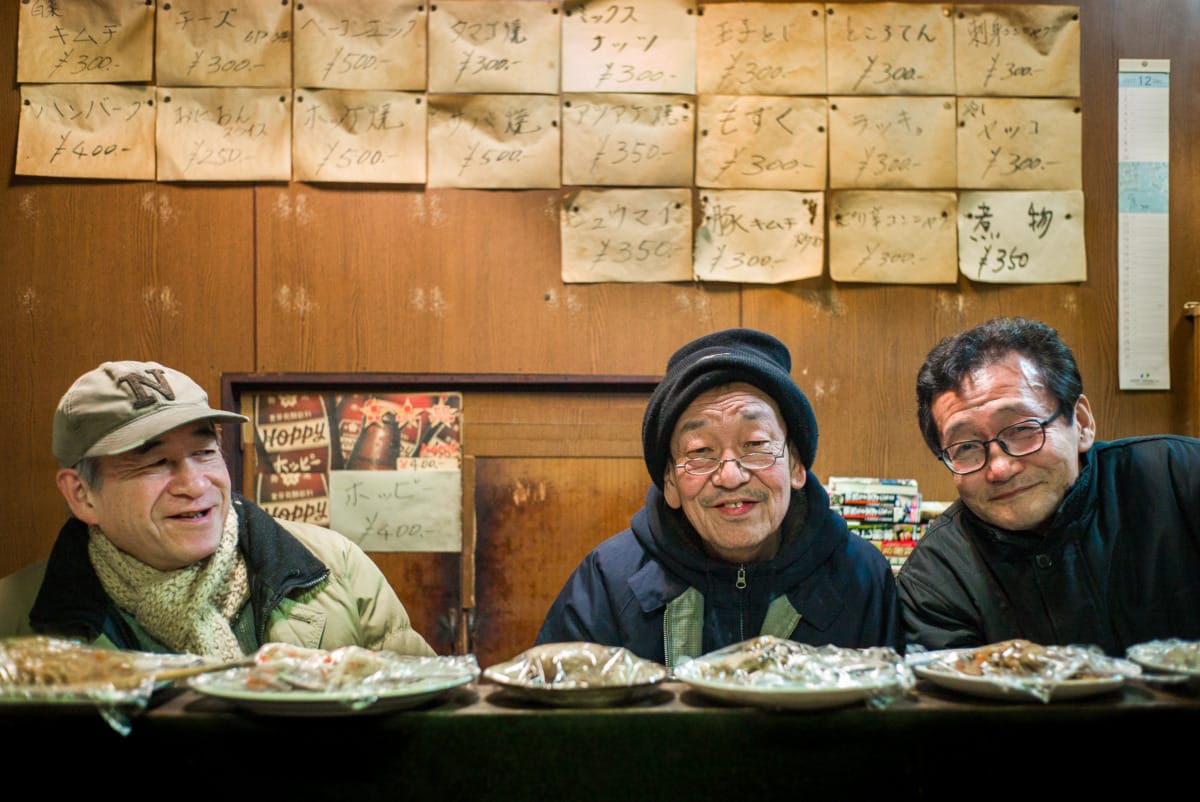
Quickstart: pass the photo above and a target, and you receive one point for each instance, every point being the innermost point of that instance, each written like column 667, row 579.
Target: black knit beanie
column 733, row 355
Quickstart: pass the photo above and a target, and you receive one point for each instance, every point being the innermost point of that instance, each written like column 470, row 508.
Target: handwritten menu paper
column 501, row 46
column 494, row 141
column 640, row 46
column 1019, row 143
column 360, row 44
column 1022, row 50
column 398, row 481
column 230, row 134
column 398, row 510
column 893, row 237
column 627, row 235
column 86, row 131
column 892, row 142
column 761, row 49
column 761, row 142
column 890, row 49
column 1021, row 237
column 213, row 43
column 85, row 41
column 361, row 136
column 628, row 140
column 760, row 236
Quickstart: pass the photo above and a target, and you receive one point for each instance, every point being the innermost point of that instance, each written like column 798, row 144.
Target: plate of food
column 782, row 674
column 578, row 674
column 288, row 680
column 1168, row 656
column 1021, row 671
column 43, row 670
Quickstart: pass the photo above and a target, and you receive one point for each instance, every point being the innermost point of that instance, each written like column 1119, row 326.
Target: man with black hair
column 1056, row 537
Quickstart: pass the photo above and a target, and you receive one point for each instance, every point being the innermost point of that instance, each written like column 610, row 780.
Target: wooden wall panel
column 553, row 424
column 295, row 277
column 452, row 280
column 554, row 469
column 537, row 519
column 428, row 585
column 97, row 271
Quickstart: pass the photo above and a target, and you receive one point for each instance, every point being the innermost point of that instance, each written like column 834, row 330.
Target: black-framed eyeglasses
column 1019, row 440
column 754, row 461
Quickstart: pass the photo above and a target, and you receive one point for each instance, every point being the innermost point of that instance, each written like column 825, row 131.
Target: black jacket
column 1119, row 564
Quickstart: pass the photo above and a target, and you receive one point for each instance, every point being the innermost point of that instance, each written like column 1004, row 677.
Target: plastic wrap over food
column 771, row 663
column 1031, row 667
column 1169, row 656
column 39, row 666
column 282, row 667
column 52, row 672
column 578, row 664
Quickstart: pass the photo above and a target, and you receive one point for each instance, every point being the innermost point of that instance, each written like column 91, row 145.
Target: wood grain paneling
column 537, row 519
column 217, row 279
column 460, row 280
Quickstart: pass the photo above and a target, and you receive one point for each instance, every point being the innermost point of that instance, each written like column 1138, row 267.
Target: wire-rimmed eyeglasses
column 754, row 461
column 1019, row 440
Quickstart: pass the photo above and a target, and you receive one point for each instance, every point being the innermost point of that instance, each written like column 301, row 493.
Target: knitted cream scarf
column 188, row 609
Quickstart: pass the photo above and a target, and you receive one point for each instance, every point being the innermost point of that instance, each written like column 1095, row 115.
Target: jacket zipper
column 740, row 584
column 286, row 589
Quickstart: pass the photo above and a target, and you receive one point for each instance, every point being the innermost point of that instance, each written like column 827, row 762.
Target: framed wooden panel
column 538, row 459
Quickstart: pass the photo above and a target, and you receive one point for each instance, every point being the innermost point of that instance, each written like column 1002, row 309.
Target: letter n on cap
column 140, row 384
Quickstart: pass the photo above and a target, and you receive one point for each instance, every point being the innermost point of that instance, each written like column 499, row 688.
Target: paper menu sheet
column 1143, row 256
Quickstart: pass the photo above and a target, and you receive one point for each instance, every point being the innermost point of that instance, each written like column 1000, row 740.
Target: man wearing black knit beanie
column 736, row 538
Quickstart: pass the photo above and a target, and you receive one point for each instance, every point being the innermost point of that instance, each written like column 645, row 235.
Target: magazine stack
column 885, row 511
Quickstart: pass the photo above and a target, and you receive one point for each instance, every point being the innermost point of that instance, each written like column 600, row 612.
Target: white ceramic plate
column 596, row 675
column 772, row 672
column 991, row 688
column 782, row 697
column 231, row 686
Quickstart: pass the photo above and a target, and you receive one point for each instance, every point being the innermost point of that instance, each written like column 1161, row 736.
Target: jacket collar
column 811, row 533
column 278, row 563
column 1067, row 519
column 72, row 601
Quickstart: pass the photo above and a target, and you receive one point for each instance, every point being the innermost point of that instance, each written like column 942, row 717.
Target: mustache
column 725, row 498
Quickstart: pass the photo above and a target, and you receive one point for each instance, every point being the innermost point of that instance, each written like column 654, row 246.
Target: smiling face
column 1014, row 493
column 736, row 512
column 164, row 503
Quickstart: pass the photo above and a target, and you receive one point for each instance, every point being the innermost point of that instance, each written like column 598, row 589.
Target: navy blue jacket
column 1118, row 565
column 840, row 584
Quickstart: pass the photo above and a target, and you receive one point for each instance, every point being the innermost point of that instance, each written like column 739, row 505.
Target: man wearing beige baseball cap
column 160, row 555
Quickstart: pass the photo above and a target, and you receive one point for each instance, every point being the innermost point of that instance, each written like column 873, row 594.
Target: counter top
column 479, row 743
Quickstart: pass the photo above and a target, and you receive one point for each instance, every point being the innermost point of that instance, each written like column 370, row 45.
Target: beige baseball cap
column 120, row 405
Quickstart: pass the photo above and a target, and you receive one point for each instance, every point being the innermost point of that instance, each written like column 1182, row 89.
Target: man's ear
column 670, row 489
column 77, row 494
column 797, row 470
column 1085, row 423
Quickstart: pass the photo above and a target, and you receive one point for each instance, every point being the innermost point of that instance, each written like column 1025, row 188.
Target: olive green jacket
column 309, row 586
